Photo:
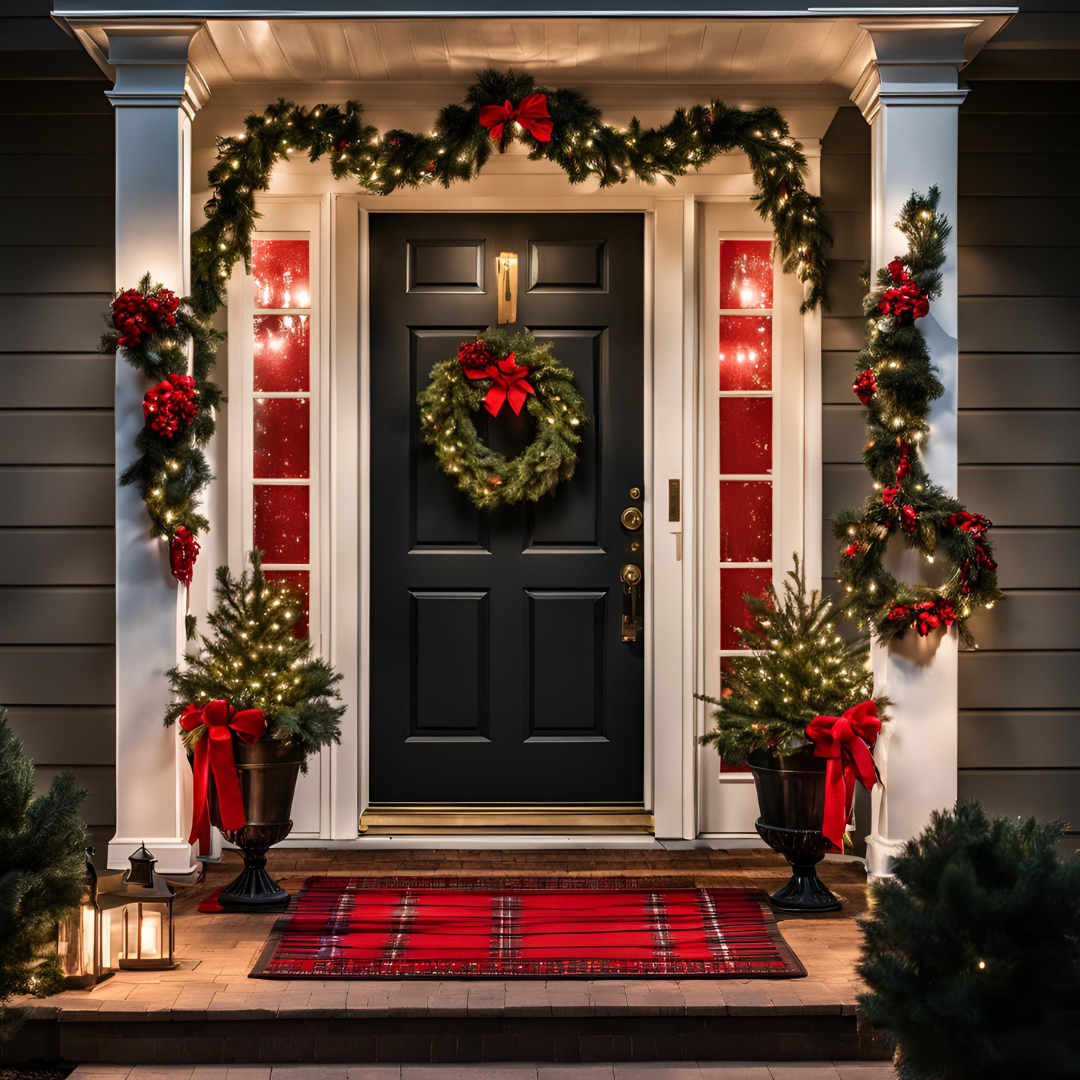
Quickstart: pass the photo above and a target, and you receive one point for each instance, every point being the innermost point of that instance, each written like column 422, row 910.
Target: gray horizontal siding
column 57, row 486
column 1018, row 428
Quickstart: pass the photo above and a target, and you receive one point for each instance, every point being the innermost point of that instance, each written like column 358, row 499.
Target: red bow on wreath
column 531, row 113
column 507, row 384
column 845, row 742
column 214, row 754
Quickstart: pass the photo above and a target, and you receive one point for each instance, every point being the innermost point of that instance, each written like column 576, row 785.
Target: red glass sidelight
column 745, row 352
column 745, row 435
column 745, row 521
column 725, row 668
column 300, row 580
column 733, row 613
column 280, row 269
column 746, row 274
column 282, row 524
column 282, row 353
column 282, row 439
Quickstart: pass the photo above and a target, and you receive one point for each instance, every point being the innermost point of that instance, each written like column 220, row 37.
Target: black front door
column 498, row 670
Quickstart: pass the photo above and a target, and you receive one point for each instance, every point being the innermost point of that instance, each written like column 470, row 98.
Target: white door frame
column 670, row 318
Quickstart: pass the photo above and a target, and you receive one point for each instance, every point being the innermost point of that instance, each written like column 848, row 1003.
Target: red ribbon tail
column 494, row 399
column 516, row 396
column 836, row 812
column 200, row 808
column 226, row 782
column 540, row 129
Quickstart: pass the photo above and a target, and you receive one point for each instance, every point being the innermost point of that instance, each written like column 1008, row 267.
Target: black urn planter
column 268, row 770
column 791, row 798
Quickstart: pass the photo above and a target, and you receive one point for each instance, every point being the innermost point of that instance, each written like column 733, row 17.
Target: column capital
column 152, row 66
column 916, row 62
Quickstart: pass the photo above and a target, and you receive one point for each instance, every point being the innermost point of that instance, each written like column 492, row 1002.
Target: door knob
column 631, row 577
column 632, row 518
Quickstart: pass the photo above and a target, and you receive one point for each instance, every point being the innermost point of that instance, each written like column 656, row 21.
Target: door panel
column 498, row 671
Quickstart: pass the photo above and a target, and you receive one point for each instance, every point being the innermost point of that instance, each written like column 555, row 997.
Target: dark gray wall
column 1019, row 430
column 56, row 406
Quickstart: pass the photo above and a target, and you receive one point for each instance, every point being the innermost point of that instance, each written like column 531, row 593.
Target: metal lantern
column 89, row 942
column 145, row 900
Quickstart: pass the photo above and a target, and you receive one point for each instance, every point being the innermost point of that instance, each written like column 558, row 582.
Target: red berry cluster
column 865, row 386
column 183, row 550
column 171, row 405
column 905, row 301
column 967, row 522
column 928, row 615
column 909, row 518
column 476, row 356
column 139, row 317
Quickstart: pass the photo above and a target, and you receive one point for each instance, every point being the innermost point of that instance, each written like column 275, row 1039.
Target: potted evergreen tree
column 797, row 707
column 254, row 704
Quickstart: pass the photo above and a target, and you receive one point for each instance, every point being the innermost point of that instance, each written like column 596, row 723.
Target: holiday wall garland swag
column 153, row 326
column 498, row 370
column 156, row 329
column 896, row 381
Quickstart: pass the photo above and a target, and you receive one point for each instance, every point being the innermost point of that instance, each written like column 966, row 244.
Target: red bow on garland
column 507, row 384
column 183, row 550
column 214, row 754
column 530, row 112
column 845, row 741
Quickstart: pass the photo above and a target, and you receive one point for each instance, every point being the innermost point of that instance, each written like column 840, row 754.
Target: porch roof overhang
column 817, row 51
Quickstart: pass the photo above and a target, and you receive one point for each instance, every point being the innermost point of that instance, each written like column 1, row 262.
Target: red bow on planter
column 846, row 742
column 507, row 384
column 214, row 754
column 530, row 112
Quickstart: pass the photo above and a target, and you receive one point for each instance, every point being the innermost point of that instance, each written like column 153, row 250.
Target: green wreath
column 499, row 371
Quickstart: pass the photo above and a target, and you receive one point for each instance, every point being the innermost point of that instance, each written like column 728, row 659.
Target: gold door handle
column 631, row 577
column 632, row 518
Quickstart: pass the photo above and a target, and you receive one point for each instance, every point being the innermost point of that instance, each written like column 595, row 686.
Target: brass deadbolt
column 632, row 518
column 635, row 493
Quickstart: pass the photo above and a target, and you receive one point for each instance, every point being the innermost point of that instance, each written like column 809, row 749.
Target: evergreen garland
column 458, row 147
column 42, row 874
column 487, row 477
column 797, row 667
column 171, row 471
column 254, row 660
column 972, row 951
column 897, row 382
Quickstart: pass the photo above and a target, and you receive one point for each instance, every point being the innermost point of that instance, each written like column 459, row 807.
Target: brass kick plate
column 444, row 819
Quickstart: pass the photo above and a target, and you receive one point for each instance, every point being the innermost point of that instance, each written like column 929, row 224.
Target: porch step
column 672, row 1070
column 757, row 1034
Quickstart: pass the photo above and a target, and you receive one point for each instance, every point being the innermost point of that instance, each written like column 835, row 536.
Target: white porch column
column 157, row 92
column 910, row 95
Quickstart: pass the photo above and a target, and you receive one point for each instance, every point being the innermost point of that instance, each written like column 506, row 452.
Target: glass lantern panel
column 282, row 438
column 282, row 525
column 299, row 580
column 745, row 521
column 733, row 612
column 282, row 352
column 280, row 269
column 745, row 435
column 746, row 274
column 745, row 352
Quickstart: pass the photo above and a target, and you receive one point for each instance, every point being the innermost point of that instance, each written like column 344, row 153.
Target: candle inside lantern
column 150, row 935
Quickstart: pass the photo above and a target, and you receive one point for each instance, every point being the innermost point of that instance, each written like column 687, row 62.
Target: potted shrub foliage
column 972, row 951
column 254, row 704
column 798, row 708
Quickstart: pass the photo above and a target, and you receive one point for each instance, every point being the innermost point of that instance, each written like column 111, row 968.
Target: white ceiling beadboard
column 807, row 51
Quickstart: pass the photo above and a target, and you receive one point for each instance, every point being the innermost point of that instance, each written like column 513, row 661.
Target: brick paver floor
column 218, row 951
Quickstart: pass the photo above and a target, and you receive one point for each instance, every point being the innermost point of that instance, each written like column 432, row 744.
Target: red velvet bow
column 846, row 742
column 214, row 754
column 507, row 384
column 183, row 550
column 530, row 112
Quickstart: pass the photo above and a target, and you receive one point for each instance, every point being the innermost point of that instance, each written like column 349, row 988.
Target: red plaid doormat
column 361, row 928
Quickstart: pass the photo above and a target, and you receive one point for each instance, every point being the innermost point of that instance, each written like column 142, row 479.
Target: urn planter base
column 268, row 770
column 803, row 850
